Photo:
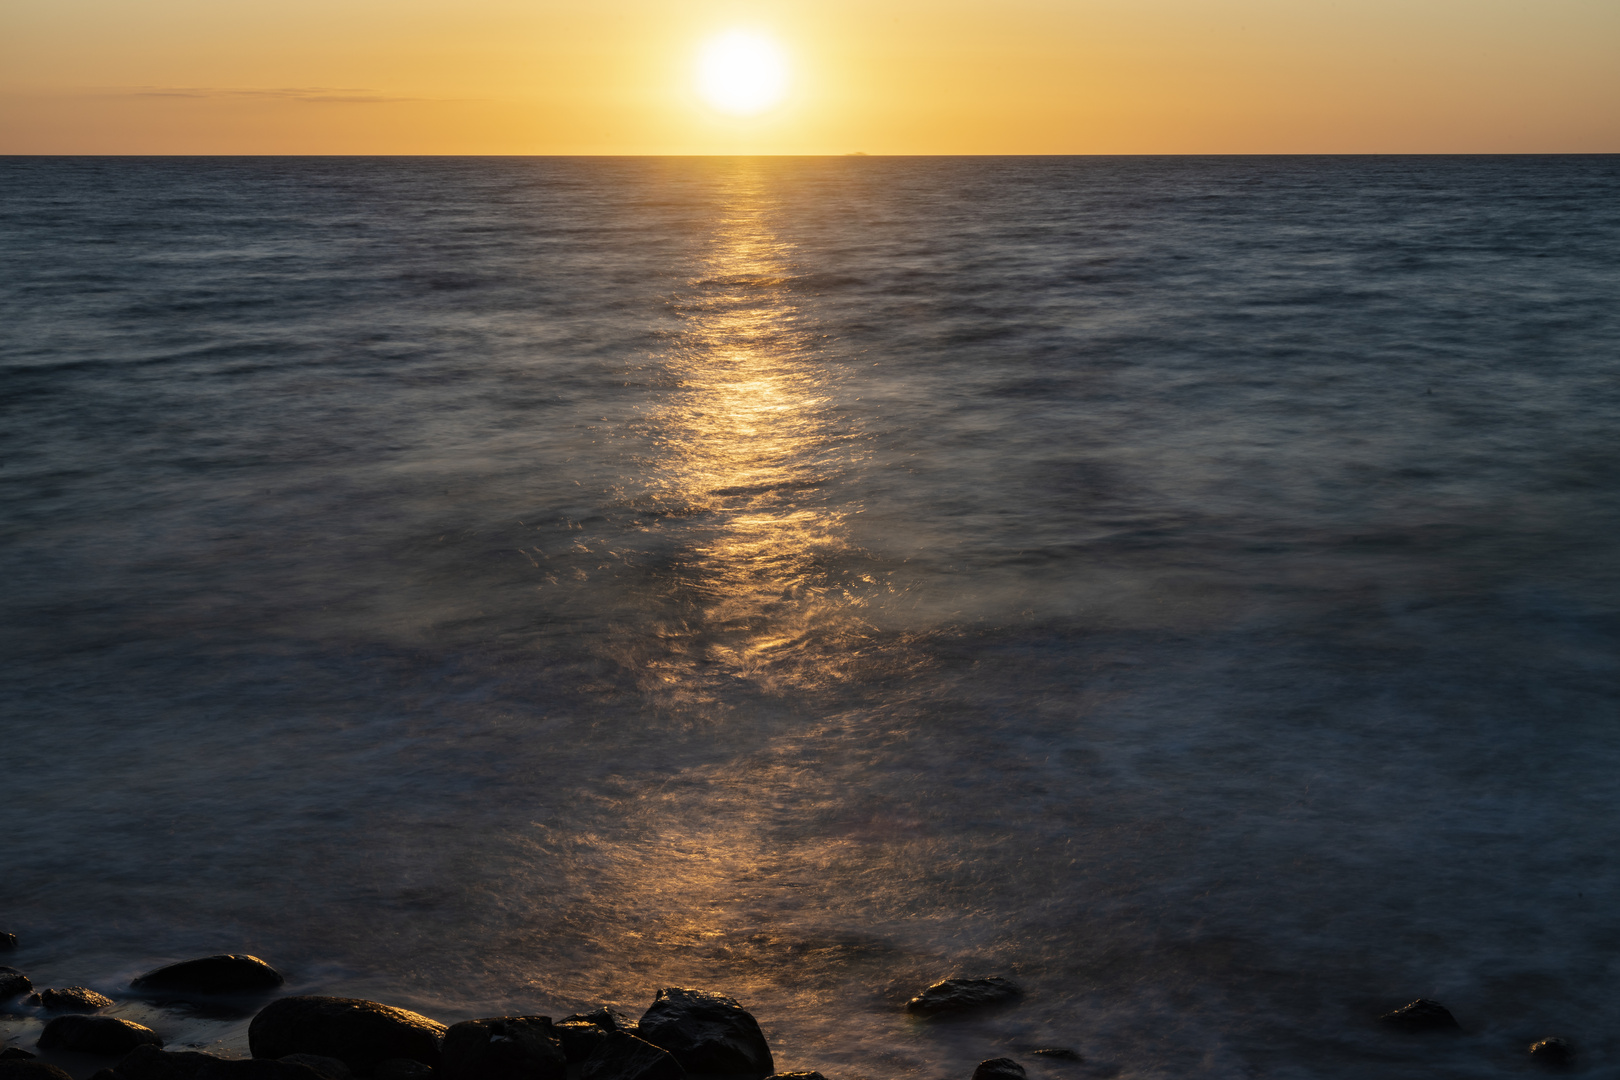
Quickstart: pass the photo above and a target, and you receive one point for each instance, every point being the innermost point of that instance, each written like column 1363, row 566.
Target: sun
column 742, row 73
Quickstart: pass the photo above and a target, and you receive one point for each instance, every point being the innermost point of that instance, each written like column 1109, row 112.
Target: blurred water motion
column 1187, row 586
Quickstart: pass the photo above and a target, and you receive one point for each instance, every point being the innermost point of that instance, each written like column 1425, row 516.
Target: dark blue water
column 1189, row 587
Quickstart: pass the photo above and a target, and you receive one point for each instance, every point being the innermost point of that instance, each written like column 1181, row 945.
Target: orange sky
column 879, row 76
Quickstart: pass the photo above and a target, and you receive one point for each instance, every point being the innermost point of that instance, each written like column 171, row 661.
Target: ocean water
column 1189, row 587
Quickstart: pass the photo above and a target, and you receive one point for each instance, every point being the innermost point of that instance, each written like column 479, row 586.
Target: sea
column 1188, row 587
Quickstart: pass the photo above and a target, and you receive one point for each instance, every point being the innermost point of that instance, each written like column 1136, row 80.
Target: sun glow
column 742, row 73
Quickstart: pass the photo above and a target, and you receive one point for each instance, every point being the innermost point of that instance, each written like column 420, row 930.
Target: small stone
column 964, row 995
column 7, row 942
column 401, row 1069
column 605, row 1018
column 503, row 1048
column 102, row 1036
column 70, row 999
column 622, row 1056
column 707, row 1033
column 1056, row 1053
column 999, row 1069
column 360, row 1033
column 224, row 974
column 329, row 1067
column 12, row 983
column 31, row 1070
column 1421, row 1015
column 1554, row 1050
column 579, row 1039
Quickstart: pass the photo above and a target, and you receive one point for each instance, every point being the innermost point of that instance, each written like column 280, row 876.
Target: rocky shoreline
column 685, row 1034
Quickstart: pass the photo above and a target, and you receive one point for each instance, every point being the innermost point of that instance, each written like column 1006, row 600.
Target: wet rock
column 999, row 1069
column 1421, row 1015
column 606, row 1019
column 359, row 1033
column 1552, row 1050
column 12, row 983
column 579, row 1039
column 15, row 1053
column 103, row 1036
column 401, row 1069
column 964, row 995
column 707, row 1033
column 7, row 942
column 150, row 1063
column 796, row 1076
column 503, row 1048
column 70, row 999
column 30, row 1070
column 1056, row 1053
column 329, row 1067
column 224, row 974
column 622, row 1056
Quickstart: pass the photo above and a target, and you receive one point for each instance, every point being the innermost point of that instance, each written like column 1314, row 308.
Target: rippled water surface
column 1188, row 587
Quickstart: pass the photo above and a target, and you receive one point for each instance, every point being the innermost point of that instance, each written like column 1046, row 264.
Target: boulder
column 579, row 1039
column 12, row 983
column 622, row 1056
column 257, row 1069
column 1421, row 1015
column 796, row 1076
column 224, row 974
column 401, row 1069
column 150, row 1063
column 7, row 942
column 1552, row 1050
column 503, row 1048
column 31, row 1070
column 329, row 1067
column 999, row 1069
column 359, row 1033
column 964, row 995
column 605, row 1018
column 103, row 1036
column 706, row 1033
column 15, row 1053
column 70, row 999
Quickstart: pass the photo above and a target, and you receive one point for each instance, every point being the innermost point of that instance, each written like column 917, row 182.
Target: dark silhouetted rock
column 103, row 1036
column 8, row 942
column 106, row 1074
column 579, row 1039
column 329, row 1067
column 256, row 1069
column 622, row 1056
column 150, row 1063
column 70, row 999
column 796, row 1076
column 359, row 1033
column 999, row 1069
column 964, row 995
column 1421, row 1015
column 606, row 1019
column 401, row 1069
column 11, row 1069
column 12, row 983
column 1056, row 1053
column 15, row 1053
column 1552, row 1051
column 707, row 1033
column 503, row 1048
column 225, row 974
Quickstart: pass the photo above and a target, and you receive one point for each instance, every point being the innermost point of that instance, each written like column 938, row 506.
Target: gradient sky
column 877, row 76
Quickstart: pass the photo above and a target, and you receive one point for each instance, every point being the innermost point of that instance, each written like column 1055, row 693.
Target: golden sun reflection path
column 749, row 451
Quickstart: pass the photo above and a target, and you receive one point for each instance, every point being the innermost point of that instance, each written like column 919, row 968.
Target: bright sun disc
column 741, row 73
